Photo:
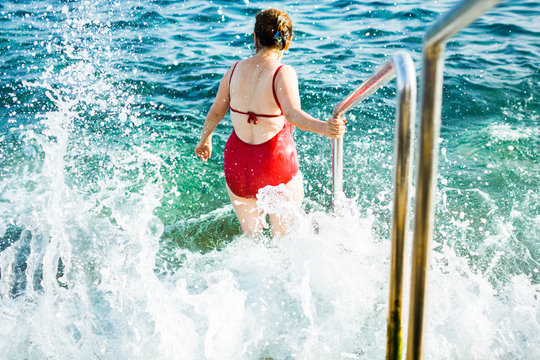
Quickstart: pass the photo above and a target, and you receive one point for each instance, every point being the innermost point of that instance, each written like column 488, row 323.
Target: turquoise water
column 116, row 242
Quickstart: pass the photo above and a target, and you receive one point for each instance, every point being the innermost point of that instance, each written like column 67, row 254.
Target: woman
column 264, row 101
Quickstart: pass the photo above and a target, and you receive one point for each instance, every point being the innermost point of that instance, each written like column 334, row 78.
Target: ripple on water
column 117, row 242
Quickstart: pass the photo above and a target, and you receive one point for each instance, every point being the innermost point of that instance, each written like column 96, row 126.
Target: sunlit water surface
column 116, row 242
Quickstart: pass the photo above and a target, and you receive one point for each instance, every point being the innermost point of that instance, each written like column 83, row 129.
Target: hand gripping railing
column 400, row 66
column 434, row 44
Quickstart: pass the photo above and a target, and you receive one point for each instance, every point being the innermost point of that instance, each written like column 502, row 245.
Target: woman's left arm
column 289, row 98
column 217, row 112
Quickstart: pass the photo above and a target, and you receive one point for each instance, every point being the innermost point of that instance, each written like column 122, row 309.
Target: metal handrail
column 400, row 66
column 383, row 75
column 405, row 117
column 434, row 44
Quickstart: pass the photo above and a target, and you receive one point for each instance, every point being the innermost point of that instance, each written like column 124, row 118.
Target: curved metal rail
column 400, row 66
column 383, row 75
column 434, row 45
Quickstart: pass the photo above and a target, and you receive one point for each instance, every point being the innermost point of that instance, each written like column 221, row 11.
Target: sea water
column 116, row 242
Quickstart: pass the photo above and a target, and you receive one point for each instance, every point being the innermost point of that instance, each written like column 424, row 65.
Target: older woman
column 264, row 101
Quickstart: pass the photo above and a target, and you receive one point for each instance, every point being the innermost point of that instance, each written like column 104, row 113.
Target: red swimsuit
column 249, row 167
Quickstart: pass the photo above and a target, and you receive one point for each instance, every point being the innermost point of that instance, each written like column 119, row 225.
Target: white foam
column 507, row 132
column 318, row 293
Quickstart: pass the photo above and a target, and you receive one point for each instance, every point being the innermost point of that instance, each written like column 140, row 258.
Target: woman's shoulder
column 234, row 66
column 242, row 62
column 230, row 70
column 286, row 68
column 285, row 73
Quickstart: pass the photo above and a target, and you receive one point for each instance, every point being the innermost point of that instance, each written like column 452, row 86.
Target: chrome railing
column 400, row 62
column 434, row 44
column 400, row 66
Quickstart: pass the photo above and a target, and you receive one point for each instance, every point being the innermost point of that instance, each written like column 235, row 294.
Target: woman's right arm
column 289, row 98
column 217, row 111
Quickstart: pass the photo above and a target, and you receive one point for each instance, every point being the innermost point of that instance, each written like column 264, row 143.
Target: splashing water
column 115, row 244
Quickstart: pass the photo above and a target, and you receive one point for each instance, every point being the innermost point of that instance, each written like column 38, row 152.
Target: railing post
column 428, row 156
column 405, row 114
column 462, row 15
column 368, row 87
column 401, row 66
column 337, row 174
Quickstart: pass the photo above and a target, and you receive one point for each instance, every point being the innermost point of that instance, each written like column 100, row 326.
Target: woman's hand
column 204, row 150
column 335, row 127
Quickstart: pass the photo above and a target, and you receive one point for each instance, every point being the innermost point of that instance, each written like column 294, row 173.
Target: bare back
column 251, row 90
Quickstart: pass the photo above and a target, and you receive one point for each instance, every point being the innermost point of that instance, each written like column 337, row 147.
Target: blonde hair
column 273, row 28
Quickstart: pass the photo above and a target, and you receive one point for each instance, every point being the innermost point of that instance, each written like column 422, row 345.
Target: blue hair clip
column 277, row 36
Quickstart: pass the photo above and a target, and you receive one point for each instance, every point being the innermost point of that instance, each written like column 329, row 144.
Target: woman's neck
column 268, row 52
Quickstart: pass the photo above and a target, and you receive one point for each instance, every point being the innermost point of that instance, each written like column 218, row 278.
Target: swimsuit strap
column 230, row 77
column 274, row 88
column 251, row 115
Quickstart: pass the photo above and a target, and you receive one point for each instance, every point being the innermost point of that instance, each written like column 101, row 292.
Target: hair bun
column 273, row 28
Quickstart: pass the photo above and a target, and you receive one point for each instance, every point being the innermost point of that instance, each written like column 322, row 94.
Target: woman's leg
column 282, row 222
column 250, row 218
